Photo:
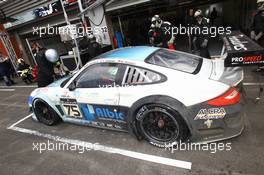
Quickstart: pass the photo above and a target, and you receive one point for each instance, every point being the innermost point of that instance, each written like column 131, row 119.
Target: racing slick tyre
column 161, row 125
column 45, row 114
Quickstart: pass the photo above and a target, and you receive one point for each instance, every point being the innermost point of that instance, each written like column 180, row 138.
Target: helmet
column 155, row 18
column 198, row 13
column 156, row 21
column 260, row 4
column 52, row 55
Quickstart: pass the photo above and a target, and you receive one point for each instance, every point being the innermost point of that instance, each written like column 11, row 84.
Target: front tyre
column 160, row 125
column 45, row 114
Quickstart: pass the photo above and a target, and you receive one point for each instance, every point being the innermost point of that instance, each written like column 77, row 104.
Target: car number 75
column 72, row 110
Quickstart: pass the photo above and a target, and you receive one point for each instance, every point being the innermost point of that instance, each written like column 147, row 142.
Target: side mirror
column 72, row 86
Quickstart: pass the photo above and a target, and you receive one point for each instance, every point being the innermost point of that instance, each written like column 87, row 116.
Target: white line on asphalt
column 7, row 90
column 253, row 84
column 98, row 147
column 21, row 120
column 32, row 86
column 10, row 96
column 14, row 105
column 107, row 149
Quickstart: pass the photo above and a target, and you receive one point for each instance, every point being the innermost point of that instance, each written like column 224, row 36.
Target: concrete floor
column 17, row 155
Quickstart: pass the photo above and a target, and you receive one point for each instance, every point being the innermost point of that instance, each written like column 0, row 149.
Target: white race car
column 159, row 95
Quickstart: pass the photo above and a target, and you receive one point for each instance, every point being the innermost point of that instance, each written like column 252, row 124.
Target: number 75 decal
column 72, row 110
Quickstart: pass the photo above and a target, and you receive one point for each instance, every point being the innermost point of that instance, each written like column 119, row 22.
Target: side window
column 98, row 75
column 134, row 75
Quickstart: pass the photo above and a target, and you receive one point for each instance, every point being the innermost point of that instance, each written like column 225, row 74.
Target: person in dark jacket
column 94, row 48
column 200, row 39
column 190, row 22
column 257, row 28
column 90, row 48
column 5, row 70
column 160, row 34
column 45, row 67
column 213, row 16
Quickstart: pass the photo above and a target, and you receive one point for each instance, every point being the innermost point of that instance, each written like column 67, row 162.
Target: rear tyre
column 161, row 125
column 45, row 114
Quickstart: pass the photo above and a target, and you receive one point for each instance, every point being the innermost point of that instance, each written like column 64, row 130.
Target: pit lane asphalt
column 17, row 155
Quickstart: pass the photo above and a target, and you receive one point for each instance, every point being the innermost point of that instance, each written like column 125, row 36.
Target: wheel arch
column 157, row 99
column 47, row 101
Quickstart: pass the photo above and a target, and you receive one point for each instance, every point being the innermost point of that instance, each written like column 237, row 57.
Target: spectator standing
column 5, row 70
column 94, row 48
column 213, row 16
column 190, row 22
column 45, row 67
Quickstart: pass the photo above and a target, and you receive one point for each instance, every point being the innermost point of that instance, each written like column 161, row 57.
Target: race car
column 156, row 94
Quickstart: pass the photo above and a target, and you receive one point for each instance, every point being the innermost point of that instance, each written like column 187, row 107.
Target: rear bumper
column 228, row 124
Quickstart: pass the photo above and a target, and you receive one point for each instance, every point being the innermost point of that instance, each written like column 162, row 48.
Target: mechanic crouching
column 45, row 67
column 200, row 40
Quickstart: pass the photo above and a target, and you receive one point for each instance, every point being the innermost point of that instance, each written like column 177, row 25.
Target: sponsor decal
column 210, row 114
column 107, row 125
column 115, row 61
column 107, row 113
column 141, row 112
column 65, row 94
column 92, row 112
column 248, row 59
column 208, row 123
column 237, row 43
column 71, row 108
column 99, row 116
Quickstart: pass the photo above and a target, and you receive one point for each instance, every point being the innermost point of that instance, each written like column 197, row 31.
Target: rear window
column 135, row 75
column 176, row 60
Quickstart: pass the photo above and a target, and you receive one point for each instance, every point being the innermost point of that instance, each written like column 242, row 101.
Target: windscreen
column 176, row 60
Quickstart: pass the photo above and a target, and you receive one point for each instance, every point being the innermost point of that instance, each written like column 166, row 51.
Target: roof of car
column 138, row 53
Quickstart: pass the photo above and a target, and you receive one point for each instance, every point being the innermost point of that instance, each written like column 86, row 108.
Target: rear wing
column 240, row 50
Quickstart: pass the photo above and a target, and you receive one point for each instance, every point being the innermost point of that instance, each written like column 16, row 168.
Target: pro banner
column 242, row 51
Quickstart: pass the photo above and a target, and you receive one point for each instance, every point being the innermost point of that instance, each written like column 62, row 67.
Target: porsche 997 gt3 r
column 159, row 95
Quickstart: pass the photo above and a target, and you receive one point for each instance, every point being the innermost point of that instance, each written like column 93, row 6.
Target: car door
column 97, row 95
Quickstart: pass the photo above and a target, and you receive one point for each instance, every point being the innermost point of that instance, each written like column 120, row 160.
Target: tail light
column 231, row 97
